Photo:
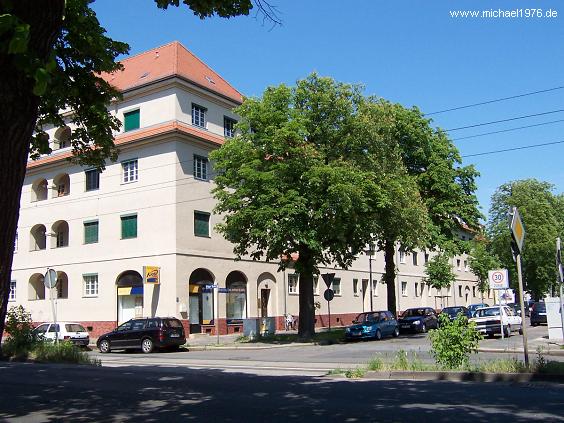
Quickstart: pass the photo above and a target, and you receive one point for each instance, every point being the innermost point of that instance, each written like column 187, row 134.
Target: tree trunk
column 306, row 266
column 18, row 114
column 390, row 274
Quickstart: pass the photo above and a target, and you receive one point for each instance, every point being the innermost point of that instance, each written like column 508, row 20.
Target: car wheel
column 396, row 332
column 104, row 346
column 147, row 345
column 378, row 335
column 423, row 328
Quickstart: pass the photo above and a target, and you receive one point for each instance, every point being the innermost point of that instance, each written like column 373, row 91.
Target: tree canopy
column 438, row 272
column 539, row 210
column 481, row 261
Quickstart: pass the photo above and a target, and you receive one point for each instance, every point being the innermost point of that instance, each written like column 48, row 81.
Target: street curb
column 244, row 347
column 461, row 376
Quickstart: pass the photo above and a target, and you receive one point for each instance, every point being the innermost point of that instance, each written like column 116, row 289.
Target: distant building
column 151, row 212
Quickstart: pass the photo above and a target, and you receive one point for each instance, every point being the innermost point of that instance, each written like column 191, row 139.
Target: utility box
column 267, row 326
column 553, row 318
column 251, row 327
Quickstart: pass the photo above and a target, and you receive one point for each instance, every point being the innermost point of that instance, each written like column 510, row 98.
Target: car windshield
column 453, row 311
column 540, row 307
column 413, row 312
column 367, row 317
column 487, row 312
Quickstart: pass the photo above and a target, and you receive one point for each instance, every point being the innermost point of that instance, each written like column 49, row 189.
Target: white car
column 488, row 321
column 63, row 331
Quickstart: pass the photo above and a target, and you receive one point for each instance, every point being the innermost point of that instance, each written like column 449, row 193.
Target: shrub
column 62, row 352
column 453, row 341
column 19, row 327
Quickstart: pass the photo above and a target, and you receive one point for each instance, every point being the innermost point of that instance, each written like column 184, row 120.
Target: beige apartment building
column 137, row 240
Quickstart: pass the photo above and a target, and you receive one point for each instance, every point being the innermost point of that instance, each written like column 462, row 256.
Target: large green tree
column 445, row 187
column 539, row 209
column 51, row 55
column 293, row 181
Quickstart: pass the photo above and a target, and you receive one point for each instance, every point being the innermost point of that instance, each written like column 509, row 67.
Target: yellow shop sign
column 152, row 274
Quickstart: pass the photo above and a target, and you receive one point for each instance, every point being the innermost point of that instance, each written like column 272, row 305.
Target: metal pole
column 217, row 311
column 370, row 281
column 329, row 310
column 562, row 309
column 501, row 314
column 522, row 303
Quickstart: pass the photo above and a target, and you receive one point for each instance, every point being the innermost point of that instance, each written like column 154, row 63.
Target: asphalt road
column 52, row 393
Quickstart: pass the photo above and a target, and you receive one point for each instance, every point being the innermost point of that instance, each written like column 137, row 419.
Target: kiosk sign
column 499, row 279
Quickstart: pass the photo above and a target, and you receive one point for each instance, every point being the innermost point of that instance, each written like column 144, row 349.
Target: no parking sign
column 499, row 279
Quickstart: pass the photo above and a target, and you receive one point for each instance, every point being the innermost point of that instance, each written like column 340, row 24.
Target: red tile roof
column 170, row 60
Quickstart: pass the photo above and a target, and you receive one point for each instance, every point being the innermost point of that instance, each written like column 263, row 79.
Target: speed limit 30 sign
column 499, row 279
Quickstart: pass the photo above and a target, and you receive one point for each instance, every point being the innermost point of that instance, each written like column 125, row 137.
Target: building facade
column 137, row 239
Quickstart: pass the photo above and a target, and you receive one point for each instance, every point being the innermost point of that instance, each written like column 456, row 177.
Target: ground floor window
column 236, row 301
column 90, row 285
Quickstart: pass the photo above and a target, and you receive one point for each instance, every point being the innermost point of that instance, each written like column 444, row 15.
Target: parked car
column 64, row 331
column 454, row 311
column 538, row 314
column 517, row 309
column 145, row 334
column 473, row 307
column 418, row 319
column 374, row 324
column 489, row 321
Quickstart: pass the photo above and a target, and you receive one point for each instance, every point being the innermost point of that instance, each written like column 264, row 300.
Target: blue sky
column 407, row 51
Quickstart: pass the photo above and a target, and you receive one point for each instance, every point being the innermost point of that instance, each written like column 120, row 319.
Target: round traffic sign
column 329, row 294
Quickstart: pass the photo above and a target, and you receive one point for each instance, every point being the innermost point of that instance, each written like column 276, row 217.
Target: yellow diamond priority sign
column 517, row 229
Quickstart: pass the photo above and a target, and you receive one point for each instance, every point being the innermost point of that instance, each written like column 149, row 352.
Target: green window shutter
column 129, row 227
column 201, row 224
column 131, row 120
column 90, row 232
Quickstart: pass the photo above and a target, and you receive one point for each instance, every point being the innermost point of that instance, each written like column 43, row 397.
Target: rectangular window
column 91, row 232
column 61, row 239
column 474, row 291
column 466, row 268
column 417, row 289
column 229, row 127
column 457, row 264
column 129, row 226
column 404, row 288
column 130, row 171
column 92, row 177
column 200, row 167
column 12, row 296
column 375, row 287
column 131, row 120
column 402, row 256
column 293, row 283
column 460, row 291
column 201, row 224
column 414, row 257
column 422, row 288
column 355, row 287
column 198, row 115
column 426, row 258
column 90, row 285
column 336, row 286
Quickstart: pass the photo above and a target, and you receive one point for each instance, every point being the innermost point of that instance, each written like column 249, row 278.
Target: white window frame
column 402, row 257
column 199, row 115
column 90, row 285
column 316, row 285
column 200, row 167
column 417, row 289
column 414, row 258
column 293, row 284
column 355, row 287
column 12, row 295
column 375, row 287
column 466, row 267
column 404, row 288
column 458, row 264
column 130, row 171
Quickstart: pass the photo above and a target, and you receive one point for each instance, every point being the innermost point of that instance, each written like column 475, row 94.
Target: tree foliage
column 481, row 261
column 539, row 209
column 438, row 272
column 293, row 181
